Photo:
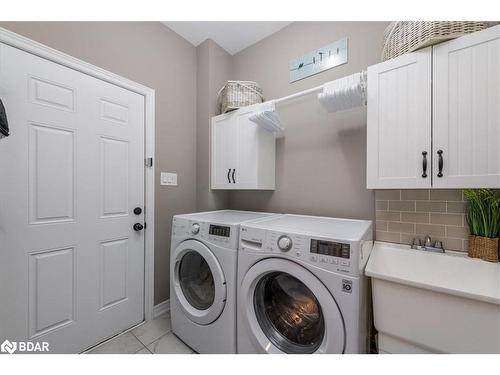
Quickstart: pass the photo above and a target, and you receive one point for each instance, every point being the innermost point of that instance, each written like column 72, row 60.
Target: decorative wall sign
column 317, row 61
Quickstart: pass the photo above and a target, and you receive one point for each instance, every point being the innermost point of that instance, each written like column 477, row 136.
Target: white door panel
column 224, row 151
column 51, row 195
column 248, row 148
column 466, row 117
column 399, row 122
column 52, row 294
column 72, row 171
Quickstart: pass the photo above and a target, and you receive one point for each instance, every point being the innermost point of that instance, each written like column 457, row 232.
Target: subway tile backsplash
column 402, row 215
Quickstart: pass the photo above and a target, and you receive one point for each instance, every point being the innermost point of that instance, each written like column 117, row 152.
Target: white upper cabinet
column 399, row 122
column 242, row 153
column 223, row 150
column 466, row 117
column 462, row 115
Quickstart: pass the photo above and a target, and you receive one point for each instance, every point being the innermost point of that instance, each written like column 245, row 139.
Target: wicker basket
column 237, row 94
column 484, row 248
column 408, row 36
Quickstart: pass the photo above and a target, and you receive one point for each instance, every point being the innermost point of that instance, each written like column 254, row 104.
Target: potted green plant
column 483, row 218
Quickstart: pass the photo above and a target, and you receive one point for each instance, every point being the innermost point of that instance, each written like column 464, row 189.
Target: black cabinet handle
column 424, row 164
column 234, row 181
column 228, row 178
column 440, row 166
column 4, row 124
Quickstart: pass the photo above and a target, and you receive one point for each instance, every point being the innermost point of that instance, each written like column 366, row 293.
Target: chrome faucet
column 436, row 247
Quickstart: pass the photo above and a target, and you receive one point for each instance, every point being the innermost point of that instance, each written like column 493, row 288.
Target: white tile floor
column 154, row 337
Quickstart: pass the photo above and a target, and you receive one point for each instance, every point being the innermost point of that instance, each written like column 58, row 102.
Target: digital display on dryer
column 219, row 230
column 335, row 249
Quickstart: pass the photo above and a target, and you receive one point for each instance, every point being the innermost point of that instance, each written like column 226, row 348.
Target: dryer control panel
column 219, row 230
column 215, row 233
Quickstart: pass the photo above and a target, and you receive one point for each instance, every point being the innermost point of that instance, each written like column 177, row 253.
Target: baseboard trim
column 161, row 308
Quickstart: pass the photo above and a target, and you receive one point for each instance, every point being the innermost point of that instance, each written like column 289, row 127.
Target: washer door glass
column 196, row 280
column 289, row 313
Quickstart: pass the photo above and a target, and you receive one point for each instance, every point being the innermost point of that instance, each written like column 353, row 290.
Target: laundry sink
column 434, row 303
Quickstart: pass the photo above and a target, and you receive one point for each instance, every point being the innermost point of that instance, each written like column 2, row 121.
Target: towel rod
column 299, row 94
column 312, row 91
column 267, row 117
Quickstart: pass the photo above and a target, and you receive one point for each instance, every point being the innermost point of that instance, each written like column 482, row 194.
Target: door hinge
column 148, row 162
column 145, row 226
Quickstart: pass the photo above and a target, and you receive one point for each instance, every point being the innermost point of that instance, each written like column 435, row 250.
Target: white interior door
column 466, row 117
column 399, row 122
column 71, row 173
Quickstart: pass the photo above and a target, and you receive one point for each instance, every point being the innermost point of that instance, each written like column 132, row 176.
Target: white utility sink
column 434, row 303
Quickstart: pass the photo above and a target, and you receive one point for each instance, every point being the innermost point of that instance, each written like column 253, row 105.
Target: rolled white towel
column 341, row 94
column 266, row 116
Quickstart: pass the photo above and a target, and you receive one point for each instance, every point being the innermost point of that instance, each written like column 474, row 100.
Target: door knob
column 137, row 210
column 138, row 227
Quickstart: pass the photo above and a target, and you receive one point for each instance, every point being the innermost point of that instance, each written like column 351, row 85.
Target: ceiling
column 232, row 36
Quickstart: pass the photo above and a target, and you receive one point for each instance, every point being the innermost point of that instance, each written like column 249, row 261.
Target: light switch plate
column 168, row 179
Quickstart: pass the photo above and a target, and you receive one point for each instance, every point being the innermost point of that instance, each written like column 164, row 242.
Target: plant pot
column 483, row 248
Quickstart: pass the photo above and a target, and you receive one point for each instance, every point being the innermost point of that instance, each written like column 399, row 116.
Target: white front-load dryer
column 203, row 269
column 301, row 287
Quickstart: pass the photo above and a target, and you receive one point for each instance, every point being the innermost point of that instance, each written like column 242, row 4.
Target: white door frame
column 38, row 49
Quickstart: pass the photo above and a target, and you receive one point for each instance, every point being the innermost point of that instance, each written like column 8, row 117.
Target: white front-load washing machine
column 301, row 287
column 203, row 266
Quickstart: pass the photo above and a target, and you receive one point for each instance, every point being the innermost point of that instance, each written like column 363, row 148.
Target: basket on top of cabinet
column 433, row 117
column 238, row 94
column 407, row 36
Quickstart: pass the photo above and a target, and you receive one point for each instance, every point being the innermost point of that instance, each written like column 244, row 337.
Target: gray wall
column 151, row 54
column 321, row 162
column 214, row 69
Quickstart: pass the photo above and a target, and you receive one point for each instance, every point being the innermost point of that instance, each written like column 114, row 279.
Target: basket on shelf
column 237, row 94
column 408, row 36
column 483, row 248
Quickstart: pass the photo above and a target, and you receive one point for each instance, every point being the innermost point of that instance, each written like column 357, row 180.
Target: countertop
column 451, row 273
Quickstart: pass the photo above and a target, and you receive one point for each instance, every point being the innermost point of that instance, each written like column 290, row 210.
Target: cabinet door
column 399, row 122
column 223, row 151
column 466, row 111
column 247, row 151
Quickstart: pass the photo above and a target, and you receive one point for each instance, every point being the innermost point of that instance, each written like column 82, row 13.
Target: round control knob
column 195, row 228
column 285, row 243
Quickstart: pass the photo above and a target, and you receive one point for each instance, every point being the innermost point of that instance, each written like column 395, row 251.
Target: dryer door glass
column 196, row 280
column 289, row 313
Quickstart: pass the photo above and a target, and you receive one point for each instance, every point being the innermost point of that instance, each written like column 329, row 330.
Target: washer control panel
column 285, row 243
column 336, row 255
column 331, row 248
